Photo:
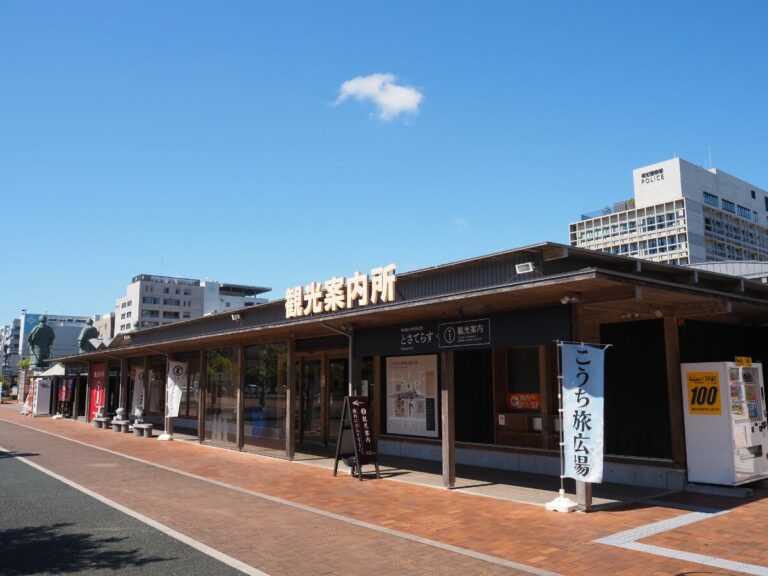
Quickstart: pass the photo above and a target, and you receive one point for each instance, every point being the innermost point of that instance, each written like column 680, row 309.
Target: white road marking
column 628, row 540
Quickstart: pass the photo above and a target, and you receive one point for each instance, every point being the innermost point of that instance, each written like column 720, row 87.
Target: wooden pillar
column 145, row 385
column 447, row 419
column 500, row 371
column 201, row 395
column 121, row 401
column 168, row 421
column 290, row 390
column 378, row 399
column 240, row 399
column 355, row 369
column 75, row 394
column 584, row 495
column 544, row 390
column 324, row 392
column 88, row 394
column 674, row 391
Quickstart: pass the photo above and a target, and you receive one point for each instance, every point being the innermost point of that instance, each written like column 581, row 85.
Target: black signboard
column 465, row 333
column 419, row 338
column 518, row 328
column 357, row 421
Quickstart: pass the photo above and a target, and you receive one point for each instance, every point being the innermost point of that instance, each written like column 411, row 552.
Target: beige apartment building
column 159, row 300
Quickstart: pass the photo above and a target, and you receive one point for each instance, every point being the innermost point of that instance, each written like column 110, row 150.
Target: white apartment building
column 158, row 300
column 10, row 335
column 681, row 214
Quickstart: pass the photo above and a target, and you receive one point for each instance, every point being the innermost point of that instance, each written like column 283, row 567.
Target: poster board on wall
column 412, row 395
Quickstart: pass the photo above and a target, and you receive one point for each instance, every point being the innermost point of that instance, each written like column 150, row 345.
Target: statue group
column 41, row 339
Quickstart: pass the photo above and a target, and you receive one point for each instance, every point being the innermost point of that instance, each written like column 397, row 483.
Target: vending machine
column 726, row 427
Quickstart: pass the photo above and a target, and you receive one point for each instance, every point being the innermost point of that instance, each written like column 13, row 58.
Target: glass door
column 221, row 395
column 310, row 402
column 338, row 379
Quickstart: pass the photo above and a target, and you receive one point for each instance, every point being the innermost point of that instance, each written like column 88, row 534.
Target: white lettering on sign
column 340, row 293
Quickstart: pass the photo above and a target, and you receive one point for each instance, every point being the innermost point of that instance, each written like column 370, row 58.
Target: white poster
column 177, row 382
column 412, row 395
column 41, row 402
column 583, row 411
column 138, row 389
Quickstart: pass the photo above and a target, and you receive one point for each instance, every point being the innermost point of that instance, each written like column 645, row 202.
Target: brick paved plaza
column 285, row 517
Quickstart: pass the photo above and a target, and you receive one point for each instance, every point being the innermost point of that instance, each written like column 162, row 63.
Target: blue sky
column 287, row 142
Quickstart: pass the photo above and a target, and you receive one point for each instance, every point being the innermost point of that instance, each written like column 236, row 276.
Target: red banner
column 98, row 386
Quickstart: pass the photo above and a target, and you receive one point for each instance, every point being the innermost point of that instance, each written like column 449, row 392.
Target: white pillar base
column 561, row 504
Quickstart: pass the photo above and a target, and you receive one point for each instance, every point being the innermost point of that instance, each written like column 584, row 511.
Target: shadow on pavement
column 17, row 454
column 52, row 550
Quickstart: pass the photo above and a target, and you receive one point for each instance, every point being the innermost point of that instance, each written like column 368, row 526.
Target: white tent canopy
column 57, row 370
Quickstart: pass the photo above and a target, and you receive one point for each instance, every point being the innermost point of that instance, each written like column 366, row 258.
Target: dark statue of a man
column 40, row 340
column 84, row 340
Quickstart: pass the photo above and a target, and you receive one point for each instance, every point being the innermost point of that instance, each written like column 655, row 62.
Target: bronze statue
column 40, row 341
column 88, row 332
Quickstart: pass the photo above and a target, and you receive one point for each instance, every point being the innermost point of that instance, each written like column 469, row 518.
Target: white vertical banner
column 583, row 423
column 177, row 381
column 138, row 389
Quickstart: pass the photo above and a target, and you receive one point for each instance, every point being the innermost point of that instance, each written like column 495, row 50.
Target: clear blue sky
column 278, row 143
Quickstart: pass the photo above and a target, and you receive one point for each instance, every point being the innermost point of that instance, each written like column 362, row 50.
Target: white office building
column 66, row 330
column 158, row 300
column 681, row 214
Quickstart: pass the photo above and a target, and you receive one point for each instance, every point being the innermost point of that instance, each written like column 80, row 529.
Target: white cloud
column 390, row 99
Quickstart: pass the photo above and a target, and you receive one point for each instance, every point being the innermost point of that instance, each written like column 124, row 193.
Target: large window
column 190, row 394
column 156, row 403
column 264, row 395
column 222, row 372
column 729, row 206
column 711, row 199
column 744, row 212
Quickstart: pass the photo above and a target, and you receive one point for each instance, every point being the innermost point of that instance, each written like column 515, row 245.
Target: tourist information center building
column 459, row 361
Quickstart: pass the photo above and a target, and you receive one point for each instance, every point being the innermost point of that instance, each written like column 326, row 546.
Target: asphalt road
column 48, row 527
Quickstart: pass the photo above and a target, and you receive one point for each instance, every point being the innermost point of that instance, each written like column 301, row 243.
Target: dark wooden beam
column 704, row 308
column 674, row 391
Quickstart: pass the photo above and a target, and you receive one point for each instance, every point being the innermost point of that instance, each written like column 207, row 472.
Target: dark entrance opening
column 636, row 403
column 473, row 396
